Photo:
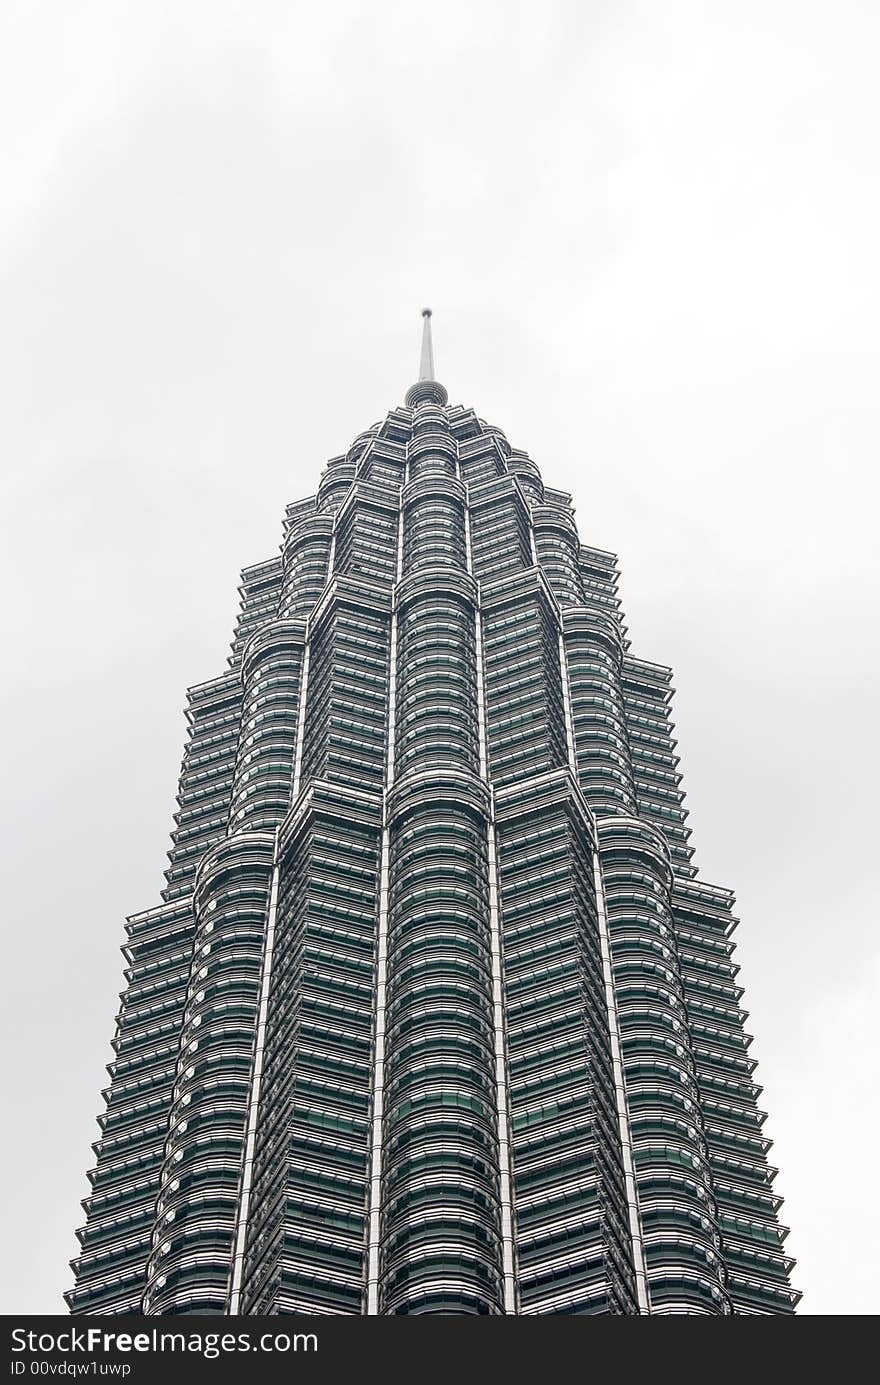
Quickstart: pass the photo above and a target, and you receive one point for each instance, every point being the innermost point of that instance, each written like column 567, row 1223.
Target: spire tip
column 428, row 386
column 426, row 366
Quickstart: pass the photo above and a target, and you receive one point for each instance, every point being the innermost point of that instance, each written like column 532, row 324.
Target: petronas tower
column 436, row 1014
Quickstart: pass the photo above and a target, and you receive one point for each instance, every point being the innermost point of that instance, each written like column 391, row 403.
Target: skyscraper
column 436, row 1014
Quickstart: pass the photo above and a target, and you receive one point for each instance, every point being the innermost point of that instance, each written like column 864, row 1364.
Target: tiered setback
column 437, row 1016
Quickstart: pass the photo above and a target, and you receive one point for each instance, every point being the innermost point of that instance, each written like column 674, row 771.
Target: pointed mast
column 426, row 365
column 428, row 389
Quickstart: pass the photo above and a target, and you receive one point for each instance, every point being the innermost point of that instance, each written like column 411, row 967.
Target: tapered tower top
column 426, row 365
column 427, row 390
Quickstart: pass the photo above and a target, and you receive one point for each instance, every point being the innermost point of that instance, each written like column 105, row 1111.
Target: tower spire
column 428, row 390
column 426, row 365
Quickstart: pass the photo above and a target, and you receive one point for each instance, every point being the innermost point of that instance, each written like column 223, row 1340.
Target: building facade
column 436, row 1014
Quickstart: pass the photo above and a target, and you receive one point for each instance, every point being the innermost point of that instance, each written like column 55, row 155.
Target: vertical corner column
column 190, row 1265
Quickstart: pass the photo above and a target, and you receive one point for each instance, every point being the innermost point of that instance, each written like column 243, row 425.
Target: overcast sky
column 649, row 234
